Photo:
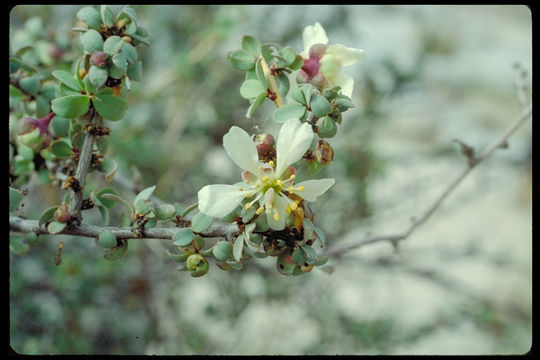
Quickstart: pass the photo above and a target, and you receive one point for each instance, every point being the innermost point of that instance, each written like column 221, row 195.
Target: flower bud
column 99, row 59
column 62, row 213
column 317, row 51
column 265, row 147
column 197, row 265
column 302, row 77
column 327, row 128
column 319, row 81
column 34, row 133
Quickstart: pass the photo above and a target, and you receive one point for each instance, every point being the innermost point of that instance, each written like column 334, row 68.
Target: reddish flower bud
column 265, row 147
column 34, row 133
column 99, row 59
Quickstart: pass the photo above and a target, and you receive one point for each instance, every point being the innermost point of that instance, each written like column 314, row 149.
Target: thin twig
column 489, row 150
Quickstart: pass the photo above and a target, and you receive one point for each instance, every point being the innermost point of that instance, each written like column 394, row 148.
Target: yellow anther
column 259, row 210
column 292, row 177
column 271, row 163
column 265, row 178
column 293, row 205
column 276, row 216
column 301, row 188
column 247, row 206
column 241, row 189
column 279, row 182
column 249, row 195
column 291, row 189
column 288, row 210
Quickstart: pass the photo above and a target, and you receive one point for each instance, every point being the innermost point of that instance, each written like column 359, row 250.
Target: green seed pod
column 107, row 239
column 197, row 265
column 285, row 265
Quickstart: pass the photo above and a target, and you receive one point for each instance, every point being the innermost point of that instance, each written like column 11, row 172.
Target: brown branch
column 500, row 142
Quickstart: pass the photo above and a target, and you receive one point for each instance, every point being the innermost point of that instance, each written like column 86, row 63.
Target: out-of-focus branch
column 500, row 142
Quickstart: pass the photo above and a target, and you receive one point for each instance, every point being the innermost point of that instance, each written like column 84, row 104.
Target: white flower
column 268, row 186
column 327, row 61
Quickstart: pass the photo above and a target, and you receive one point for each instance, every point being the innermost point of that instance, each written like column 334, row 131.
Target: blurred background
column 460, row 284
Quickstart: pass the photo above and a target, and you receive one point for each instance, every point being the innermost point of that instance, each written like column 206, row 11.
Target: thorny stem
column 271, row 82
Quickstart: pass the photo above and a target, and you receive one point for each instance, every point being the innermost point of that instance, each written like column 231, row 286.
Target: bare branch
column 500, row 142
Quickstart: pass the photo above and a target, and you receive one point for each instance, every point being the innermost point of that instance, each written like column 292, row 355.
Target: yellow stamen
column 241, row 189
column 276, row 216
column 292, row 177
column 259, row 210
column 293, row 205
column 265, row 178
column 301, row 188
column 291, row 189
column 247, row 206
column 279, row 182
column 271, row 163
column 288, row 210
column 249, row 195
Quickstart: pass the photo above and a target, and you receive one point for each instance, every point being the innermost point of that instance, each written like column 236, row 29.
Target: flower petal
column 279, row 204
column 346, row 56
column 241, row 149
column 219, row 200
column 312, row 35
column 346, row 82
column 292, row 143
column 314, row 188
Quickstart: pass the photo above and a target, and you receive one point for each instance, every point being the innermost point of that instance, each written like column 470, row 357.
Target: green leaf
column 42, row 106
column 297, row 63
column 32, row 239
column 309, row 225
column 113, row 45
column 108, row 203
column 31, row 85
column 88, row 86
column 67, row 79
column 238, row 248
column 15, row 198
column 260, row 74
column 297, row 95
column 320, row 106
column 92, row 41
column 117, row 199
column 288, row 54
column 307, row 89
column 117, row 252
column 343, row 103
column 289, row 111
column 184, row 237
column 60, row 148
column 327, row 128
column 56, row 227
column 251, row 89
column 110, row 107
column 18, row 246
column 283, row 84
column 47, row 215
column 179, row 209
column 71, row 106
column 104, row 212
column 321, row 261
column 18, row 62
column 107, row 16
column 109, row 167
column 134, row 72
column 145, row 194
column 178, row 257
column 120, row 61
column 97, row 76
column 242, row 59
column 129, row 51
column 90, row 16
column 102, row 144
column 107, row 239
column 314, row 167
column 251, row 45
column 311, row 254
column 222, row 250
column 298, row 256
column 165, row 212
column 201, row 222
column 255, row 104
